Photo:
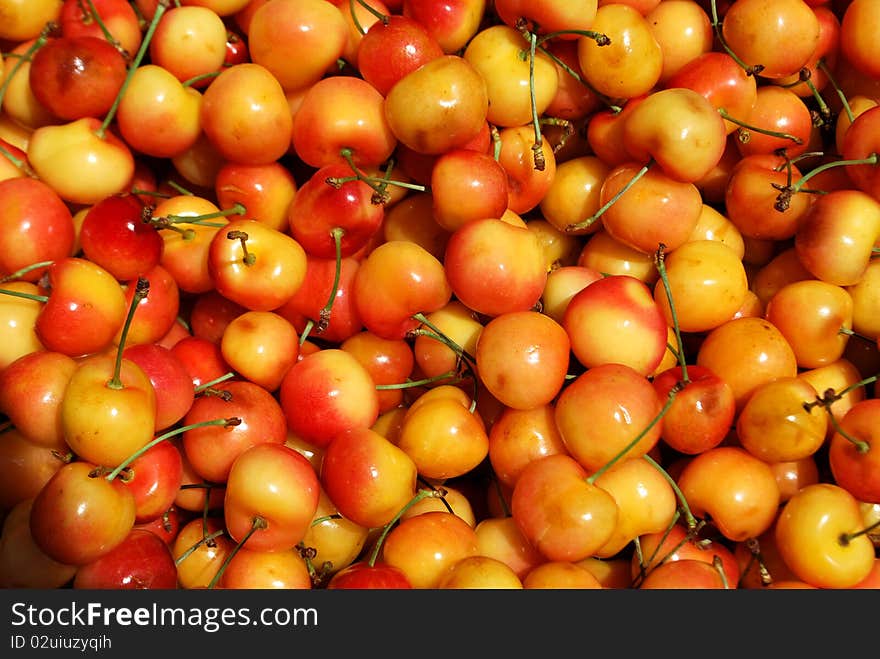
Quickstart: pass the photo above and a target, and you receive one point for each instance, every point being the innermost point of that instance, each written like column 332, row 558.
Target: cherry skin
column 746, row 352
column 366, row 576
column 341, row 395
column 852, row 463
column 31, row 390
column 560, row 512
column 779, row 36
column 141, row 561
column 701, row 413
column 615, row 319
column 285, row 501
column 255, row 265
column 391, row 49
column 686, row 573
column 114, row 235
column 385, row 476
column 814, row 536
column 523, row 347
column 252, row 128
column 212, row 449
column 337, row 113
column 426, row 546
column 447, row 90
column 260, row 346
column 79, row 517
column 511, row 279
column 396, row 280
column 108, row 411
column 76, row 77
column 738, row 490
column 37, row 226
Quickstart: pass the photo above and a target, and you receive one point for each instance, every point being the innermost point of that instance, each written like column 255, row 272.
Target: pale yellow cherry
column 644, row 497
column 714, row 225
column 501, row 55
column 81, row 161
column 683, row 29
column 707, row 284
column 865, row 296
column 631, row 64
column 573, row 194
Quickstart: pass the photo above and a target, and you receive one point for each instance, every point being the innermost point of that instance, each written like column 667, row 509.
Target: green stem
column 626, row 449
column 142, row 288
column 846, row 107
column 375, row 12
column 538, row 145
column 660, row 263
column 38, row 43
column 421, row 494
column 202, row 76
column 583, row 224
column 765, row 131
column 716, row 25
column 783, row 199
column 688, row 515
column 26, row 296
column 23, row 271
column 324, row 314
column 205, row 540
column 409, row 384
column 207, row 385
column 230, row 422
column 846, row 538
column 258, row 524
column 18, row 163
column 142, row 51
column 93, row 11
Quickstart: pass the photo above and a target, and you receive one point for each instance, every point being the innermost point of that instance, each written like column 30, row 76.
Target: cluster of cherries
column 439, row 294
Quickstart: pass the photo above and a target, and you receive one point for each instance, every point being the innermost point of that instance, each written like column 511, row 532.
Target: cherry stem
column 161, row 7
column 167, row 221
column 688, row 515
column 716, row 25
column 324, row 314
column 719, row 568
column 538, row 145
column 207, row 385
column 206, row 540
column 150, row 193
column 379, row 185
column 626, row 449
column 142, row 288
column 258, row 524
column 756, row 557
column 567, row 126
column 93, row 11
column 496, row 142
column 421, row 494
column 18, row 163
column 442, row 493
column 410, row 384
column 248, row 258
column 577, row 76
column 375, row 12
column 230, row 422
column 38, row 43
column 660, row 264
column 846, row 107
column 845, row 538
column 743, row 136
column 783, row 199
column 463, row 356
column 26, row 296
column 177, row 186
column 325, row 518
column 23, row 271
column 583, row 224
column 202, row 76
